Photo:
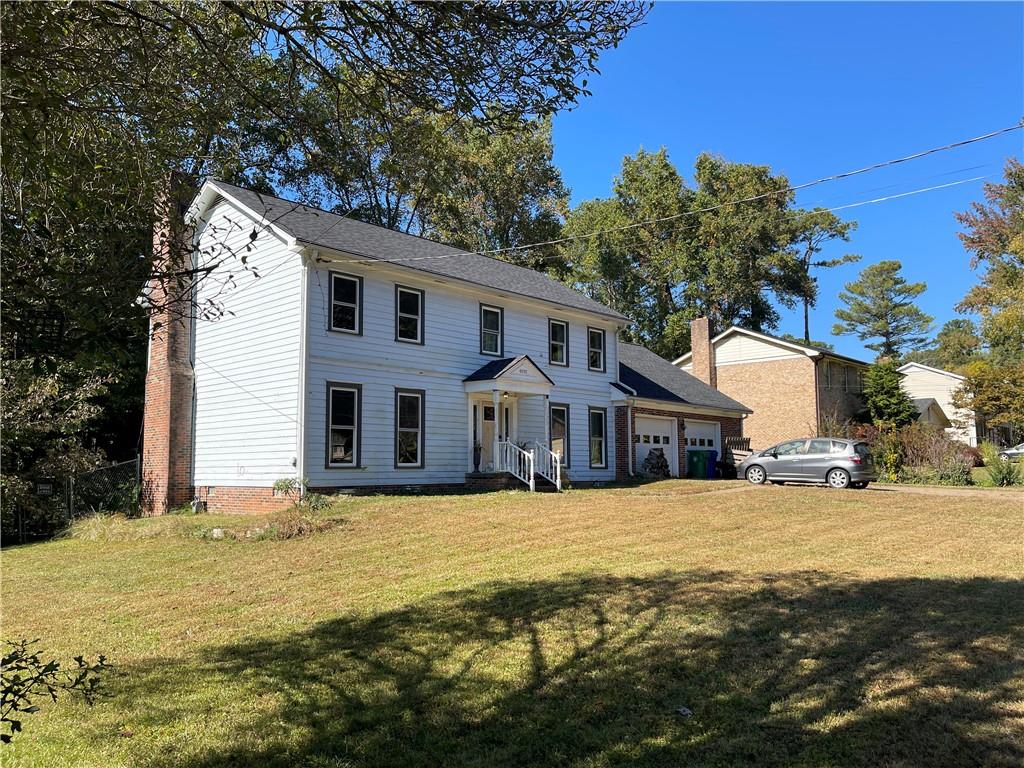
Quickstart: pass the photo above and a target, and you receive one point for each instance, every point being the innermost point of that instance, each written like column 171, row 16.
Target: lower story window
column 598, row 443
column 343, row 411
column 409, row 413
column 560, row 432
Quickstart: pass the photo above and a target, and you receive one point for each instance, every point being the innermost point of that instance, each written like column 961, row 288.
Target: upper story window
column 492, row 330
column 346, row 303
column 595, row 349
column 408, row 315
column 343, row 412
column 558, row 342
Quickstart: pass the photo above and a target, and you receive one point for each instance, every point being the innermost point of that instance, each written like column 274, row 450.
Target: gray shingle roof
column 368, row 241
column 495, row 368
column 655, row 378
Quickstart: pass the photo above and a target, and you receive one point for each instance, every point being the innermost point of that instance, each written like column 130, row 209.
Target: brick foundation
column 241, row 500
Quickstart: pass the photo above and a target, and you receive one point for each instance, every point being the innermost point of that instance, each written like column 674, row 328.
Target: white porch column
column 547, row 422
column 496, row 399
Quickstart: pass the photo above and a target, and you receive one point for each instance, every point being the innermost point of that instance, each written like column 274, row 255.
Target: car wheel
column 1004, row 456
column 838, row 478
column 755, row 475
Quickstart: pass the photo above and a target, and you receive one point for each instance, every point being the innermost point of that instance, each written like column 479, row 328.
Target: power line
column 706, row 209
column 243, row 389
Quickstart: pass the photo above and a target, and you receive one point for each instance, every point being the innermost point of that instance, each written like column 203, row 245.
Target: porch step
column 542, row 485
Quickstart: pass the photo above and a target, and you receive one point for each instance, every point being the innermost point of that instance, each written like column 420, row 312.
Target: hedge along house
column 365, row 359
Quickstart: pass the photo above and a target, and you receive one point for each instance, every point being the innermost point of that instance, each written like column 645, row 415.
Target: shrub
column 292, row 523
column 973, row 455
column 989, row 451
column 1004, row 473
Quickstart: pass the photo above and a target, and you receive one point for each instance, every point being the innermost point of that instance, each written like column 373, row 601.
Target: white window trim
column 564, row 344
column 603, row 412
column 501, row 330
column 399, row 314
column 358, row 306
column 355, row 427
column 603, row 349
column 420, row 431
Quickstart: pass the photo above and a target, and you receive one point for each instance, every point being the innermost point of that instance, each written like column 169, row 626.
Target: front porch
column 509, row 426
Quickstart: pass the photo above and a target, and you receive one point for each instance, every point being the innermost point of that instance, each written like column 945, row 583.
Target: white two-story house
column 354, row 357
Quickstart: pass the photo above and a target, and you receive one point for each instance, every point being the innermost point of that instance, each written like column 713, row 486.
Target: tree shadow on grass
column 793, row 670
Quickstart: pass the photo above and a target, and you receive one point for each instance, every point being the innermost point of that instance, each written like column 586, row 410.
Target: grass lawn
column 801, row 626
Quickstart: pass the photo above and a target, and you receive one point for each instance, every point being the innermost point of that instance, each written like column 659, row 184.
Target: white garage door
column 704, row 435
column 654, row 433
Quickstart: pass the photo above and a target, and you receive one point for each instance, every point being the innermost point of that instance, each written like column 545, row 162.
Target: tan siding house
column 791, row 388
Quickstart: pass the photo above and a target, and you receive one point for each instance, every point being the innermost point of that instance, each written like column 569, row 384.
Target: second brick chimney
column 702, row 352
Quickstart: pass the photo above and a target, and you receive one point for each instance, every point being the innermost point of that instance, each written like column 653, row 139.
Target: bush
column 292, row 523
column 919, row 453
column 1004, row 473
column 973, row 455
column 989, row 451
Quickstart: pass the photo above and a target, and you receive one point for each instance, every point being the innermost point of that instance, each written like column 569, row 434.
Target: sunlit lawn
column 801, row 626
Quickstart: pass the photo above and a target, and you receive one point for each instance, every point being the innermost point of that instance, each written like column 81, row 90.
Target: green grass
column 802, row 626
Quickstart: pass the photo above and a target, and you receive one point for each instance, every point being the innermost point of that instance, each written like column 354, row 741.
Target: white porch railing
column 513, row 459
column 548, row 464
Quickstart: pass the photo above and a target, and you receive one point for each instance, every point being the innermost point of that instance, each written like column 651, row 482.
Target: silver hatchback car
column 834, row 461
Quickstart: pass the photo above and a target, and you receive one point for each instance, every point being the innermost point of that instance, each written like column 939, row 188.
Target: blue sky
column 814, row 89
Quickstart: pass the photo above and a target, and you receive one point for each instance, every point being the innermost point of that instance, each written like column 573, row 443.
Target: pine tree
column 880, row 305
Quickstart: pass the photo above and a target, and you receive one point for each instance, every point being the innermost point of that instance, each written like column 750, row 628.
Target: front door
column 489, row 421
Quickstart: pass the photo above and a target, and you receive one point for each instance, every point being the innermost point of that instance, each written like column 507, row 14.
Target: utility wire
column 706, row 209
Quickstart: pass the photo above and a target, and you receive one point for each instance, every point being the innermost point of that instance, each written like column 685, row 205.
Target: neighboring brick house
column 792, row 388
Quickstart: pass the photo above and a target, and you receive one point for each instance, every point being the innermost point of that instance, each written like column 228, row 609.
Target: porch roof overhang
column 518, row 375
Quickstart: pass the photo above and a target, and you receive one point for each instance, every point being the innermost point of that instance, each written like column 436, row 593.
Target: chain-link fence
column 106, row 490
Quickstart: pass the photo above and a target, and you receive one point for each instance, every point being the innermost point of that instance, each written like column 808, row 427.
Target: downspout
column 300, row 425
column 629, row 435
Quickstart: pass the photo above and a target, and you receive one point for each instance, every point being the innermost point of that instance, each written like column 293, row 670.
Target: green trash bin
column 697, row 464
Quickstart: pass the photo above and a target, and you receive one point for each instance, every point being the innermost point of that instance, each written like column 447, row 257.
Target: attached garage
column 704, row 435
column 653, row 433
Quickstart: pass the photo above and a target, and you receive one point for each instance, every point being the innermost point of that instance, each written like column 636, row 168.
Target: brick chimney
column 702, row 352
column 167, row 415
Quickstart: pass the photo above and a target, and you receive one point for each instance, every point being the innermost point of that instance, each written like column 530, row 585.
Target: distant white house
column 932, row 390
column 363, row 358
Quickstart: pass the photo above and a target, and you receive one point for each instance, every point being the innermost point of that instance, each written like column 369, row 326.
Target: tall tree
column 954, row 346
column 813, row 230
column 880, row 305
column 994, row 236
column 676, row 252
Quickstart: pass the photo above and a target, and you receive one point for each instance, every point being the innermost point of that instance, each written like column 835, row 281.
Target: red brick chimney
column 167, row 416
column 702, row 352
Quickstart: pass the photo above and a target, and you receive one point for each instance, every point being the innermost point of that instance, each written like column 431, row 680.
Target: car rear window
column 862, row 449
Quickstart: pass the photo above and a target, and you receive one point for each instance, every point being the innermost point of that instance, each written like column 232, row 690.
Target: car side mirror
column 773, row 454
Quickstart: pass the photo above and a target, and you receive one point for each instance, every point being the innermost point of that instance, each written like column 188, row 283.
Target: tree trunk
column 807, row 323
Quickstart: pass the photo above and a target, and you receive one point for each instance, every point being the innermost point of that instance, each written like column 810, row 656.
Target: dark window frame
column 604, row 349
column 591, row 410
column 568, row 431
column 501, row 329
column 357, row 451
column 421, row 319
column 565, row 344
column 422, row 395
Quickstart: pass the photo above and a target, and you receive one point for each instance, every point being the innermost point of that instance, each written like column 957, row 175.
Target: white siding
column 379, row 363
column 921, row 382
column 247, row 362
column 739, row 348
